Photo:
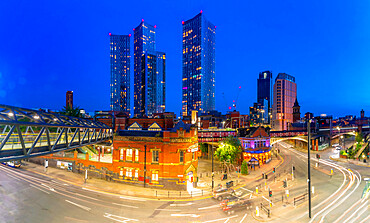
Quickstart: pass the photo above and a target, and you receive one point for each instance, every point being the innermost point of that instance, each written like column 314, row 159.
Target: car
column 221, row 193
column 338, row 148
column 236, row 204
column 228, row 199
column 336, row 145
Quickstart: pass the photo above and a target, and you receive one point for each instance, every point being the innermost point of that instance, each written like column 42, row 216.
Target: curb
column 348, row 161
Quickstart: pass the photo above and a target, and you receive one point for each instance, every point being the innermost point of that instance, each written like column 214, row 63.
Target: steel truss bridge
column 26, row 133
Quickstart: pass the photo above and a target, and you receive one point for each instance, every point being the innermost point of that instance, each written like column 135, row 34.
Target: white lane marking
column 246, row 189
column 124, row 205
column 367, row 218
column 159, row 209
column 59, row 183
column 267, row 199
column 13, row 177
column 220, row 219
column 131, row 198
column 39, row 189
column 50, row 188
column 185, row 215
column 118, row 218
column 79, row 205
column 358, row 209
column 209, row 207
column 243, row 218
column 227, row 220
column 180, row 205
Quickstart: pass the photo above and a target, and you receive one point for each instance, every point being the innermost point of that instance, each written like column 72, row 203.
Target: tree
column 203, row 147
column 71, row 111
column 359, row 137
column 244, row 168
column 229, row 150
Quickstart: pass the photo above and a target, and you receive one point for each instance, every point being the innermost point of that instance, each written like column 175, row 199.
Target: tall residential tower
column 149, row 72
column 120, row 72
column 285, row 94
column 198, row 65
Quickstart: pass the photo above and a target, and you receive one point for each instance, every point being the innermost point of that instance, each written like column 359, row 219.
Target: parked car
column 336, row 144
column 236, row 204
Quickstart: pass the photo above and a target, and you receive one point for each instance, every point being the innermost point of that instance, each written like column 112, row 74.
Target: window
column 121, row 172
column 181, row 156
column 155, row 156
column 136, row 155
column 128, row 172
column 136, row 173
column 121, row 154
column 155, row 175
column 128, row 154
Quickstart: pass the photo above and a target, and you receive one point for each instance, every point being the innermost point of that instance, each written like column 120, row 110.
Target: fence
column 180, row 194
column 299, row 198
column 264, row 208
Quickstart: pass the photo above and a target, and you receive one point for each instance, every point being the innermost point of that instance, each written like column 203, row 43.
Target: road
column 30, row 197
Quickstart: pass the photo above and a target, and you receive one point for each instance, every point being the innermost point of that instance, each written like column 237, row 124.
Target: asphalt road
column 29, row 197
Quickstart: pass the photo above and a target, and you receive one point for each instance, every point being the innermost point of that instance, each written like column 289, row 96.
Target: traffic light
column 263, row 176
column 273, row 170
column 284, row 184
column 270, row 193
column 317, row 156
column 293, row 167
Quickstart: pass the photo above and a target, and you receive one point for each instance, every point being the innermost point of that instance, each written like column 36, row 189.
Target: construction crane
column 237, row 96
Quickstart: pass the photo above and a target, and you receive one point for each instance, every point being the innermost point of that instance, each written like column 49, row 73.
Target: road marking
column 79, row 205
column 50, row 188
column 358, row 209
column 159, row 209
column 213, row 206
column 227, row 220
column 367, row 218
column 246, row 189
column 132, row 198
column 123, row 205
column 221, row 219
column 243, row 218
column 118, row 218
column 13, row 177
column 185, row 215
column 39, row 189
column 247, row 195
column 180, row 205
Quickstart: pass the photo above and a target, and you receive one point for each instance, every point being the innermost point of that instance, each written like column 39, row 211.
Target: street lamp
column 213, row 183
column 309, row 167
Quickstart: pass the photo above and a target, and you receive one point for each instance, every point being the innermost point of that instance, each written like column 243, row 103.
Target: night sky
column 49, row 47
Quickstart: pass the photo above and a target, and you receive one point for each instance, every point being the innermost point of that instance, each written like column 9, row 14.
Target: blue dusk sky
column 49, row 47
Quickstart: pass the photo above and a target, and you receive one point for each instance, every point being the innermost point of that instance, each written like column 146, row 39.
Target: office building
column 264, row 91
column 198, row 65
column 120, row 72
column 149, row 72
column 69, row 99
column 285, row 94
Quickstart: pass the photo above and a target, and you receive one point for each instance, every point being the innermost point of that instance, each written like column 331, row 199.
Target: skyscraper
column 69, row 99
column 285, row 94
column 198, row 65
column 149, row 72
column 264, row 87
column 120, row 72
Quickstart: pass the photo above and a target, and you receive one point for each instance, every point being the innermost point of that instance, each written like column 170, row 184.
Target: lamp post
column 213, row 183
column 144, row 164
column 309, row 167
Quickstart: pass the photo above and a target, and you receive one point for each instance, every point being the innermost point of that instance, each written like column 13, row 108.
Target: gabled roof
column 154, row 127
column 182, row 125
column 135, row 126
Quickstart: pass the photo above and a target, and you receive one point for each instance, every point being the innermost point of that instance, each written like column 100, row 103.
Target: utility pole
column 144, row 164
column 309, row 167
column 213, row 182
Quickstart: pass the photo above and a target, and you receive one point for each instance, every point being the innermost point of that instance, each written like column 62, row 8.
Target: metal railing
column 299, row 198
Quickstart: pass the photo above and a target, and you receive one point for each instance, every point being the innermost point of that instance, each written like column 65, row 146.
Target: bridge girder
column 274, row 140
column 49, row 133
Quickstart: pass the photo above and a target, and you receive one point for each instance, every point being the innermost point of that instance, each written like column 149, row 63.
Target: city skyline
column 21, row 70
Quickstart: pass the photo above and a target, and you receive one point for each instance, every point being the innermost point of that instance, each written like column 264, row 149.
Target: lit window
column 136, row 173
column 136, row 155
column 128, row 172
column 155, row 175
column 129, row 155
column 121, row 155
column 121, row 172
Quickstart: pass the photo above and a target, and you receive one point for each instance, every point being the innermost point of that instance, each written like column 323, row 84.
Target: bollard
column 256, row 190
column 257, row 211
column 313, row 189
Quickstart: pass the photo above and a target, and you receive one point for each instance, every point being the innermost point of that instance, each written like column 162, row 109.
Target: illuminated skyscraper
column 120, row 72
column 285, row 94
column 198, row 65
column 149, row 72
column 69, row 99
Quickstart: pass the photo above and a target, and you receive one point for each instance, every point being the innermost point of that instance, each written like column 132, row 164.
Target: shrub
column 244, row 168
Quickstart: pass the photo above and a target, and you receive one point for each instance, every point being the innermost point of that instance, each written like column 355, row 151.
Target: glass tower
column 149, row 72
column 120, row 72
column 285, row 94
column 264, row 92
column 198, row 65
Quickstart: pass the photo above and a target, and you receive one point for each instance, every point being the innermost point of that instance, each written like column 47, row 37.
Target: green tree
column 244, row 168
column 203, row 147
column 229, row 150
column 359, row 137
column 71, row 111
